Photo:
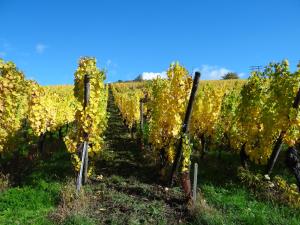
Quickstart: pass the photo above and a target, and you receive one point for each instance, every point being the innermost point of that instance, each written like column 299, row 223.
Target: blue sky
column 46, row 38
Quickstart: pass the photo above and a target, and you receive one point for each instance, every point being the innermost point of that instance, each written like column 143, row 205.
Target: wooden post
column 244, row 157
column 86, row 163
column 79, row 179
column 203, row 145
column 141, row 115
column 292, row 160
column 297, row 100
column 60, row 135
column 84, row 158
column 86, row 90
column 195, row 182
column 275, row 153
column 41, row 143
column 141, row 125
column 185, row 128
column 85, row 104
column 278, row 143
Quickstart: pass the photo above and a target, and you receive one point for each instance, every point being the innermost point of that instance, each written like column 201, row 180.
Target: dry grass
column 201, row 205
column 203, row 213
column 71, row 203
column 4, row 182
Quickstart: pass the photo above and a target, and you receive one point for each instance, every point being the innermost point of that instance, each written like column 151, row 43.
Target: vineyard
column 125, row 152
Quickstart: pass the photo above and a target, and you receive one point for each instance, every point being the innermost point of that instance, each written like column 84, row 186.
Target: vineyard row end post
column 82, row 175
column 185, row 127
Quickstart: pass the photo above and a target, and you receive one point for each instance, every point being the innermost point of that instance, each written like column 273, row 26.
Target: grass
column 230, row 202
column 37, row 193
column 79, row 220
column 128, row 201
column 125, row 190
column 28, row 205
column 235, row 205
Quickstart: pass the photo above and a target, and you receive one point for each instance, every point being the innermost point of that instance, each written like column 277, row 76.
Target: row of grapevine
column 242, row 116
column 50, row 109
column 127, row 97
column 90, row 120
column 262, row 111
column 14, row 92
column 166, row 104
column 29, row 111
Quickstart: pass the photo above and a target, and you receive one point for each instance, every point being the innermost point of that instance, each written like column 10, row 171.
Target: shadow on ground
column 130, row 192
column 122, row 155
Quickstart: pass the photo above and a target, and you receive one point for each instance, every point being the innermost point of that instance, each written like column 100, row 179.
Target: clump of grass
column 205, row 214
column 78, row 220
column 275, row 190
column 73, row 205
column 4, row 182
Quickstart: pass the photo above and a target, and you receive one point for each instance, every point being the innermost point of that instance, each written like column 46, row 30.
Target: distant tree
column 230, row 75
column 139, row 78
column 119, row 81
